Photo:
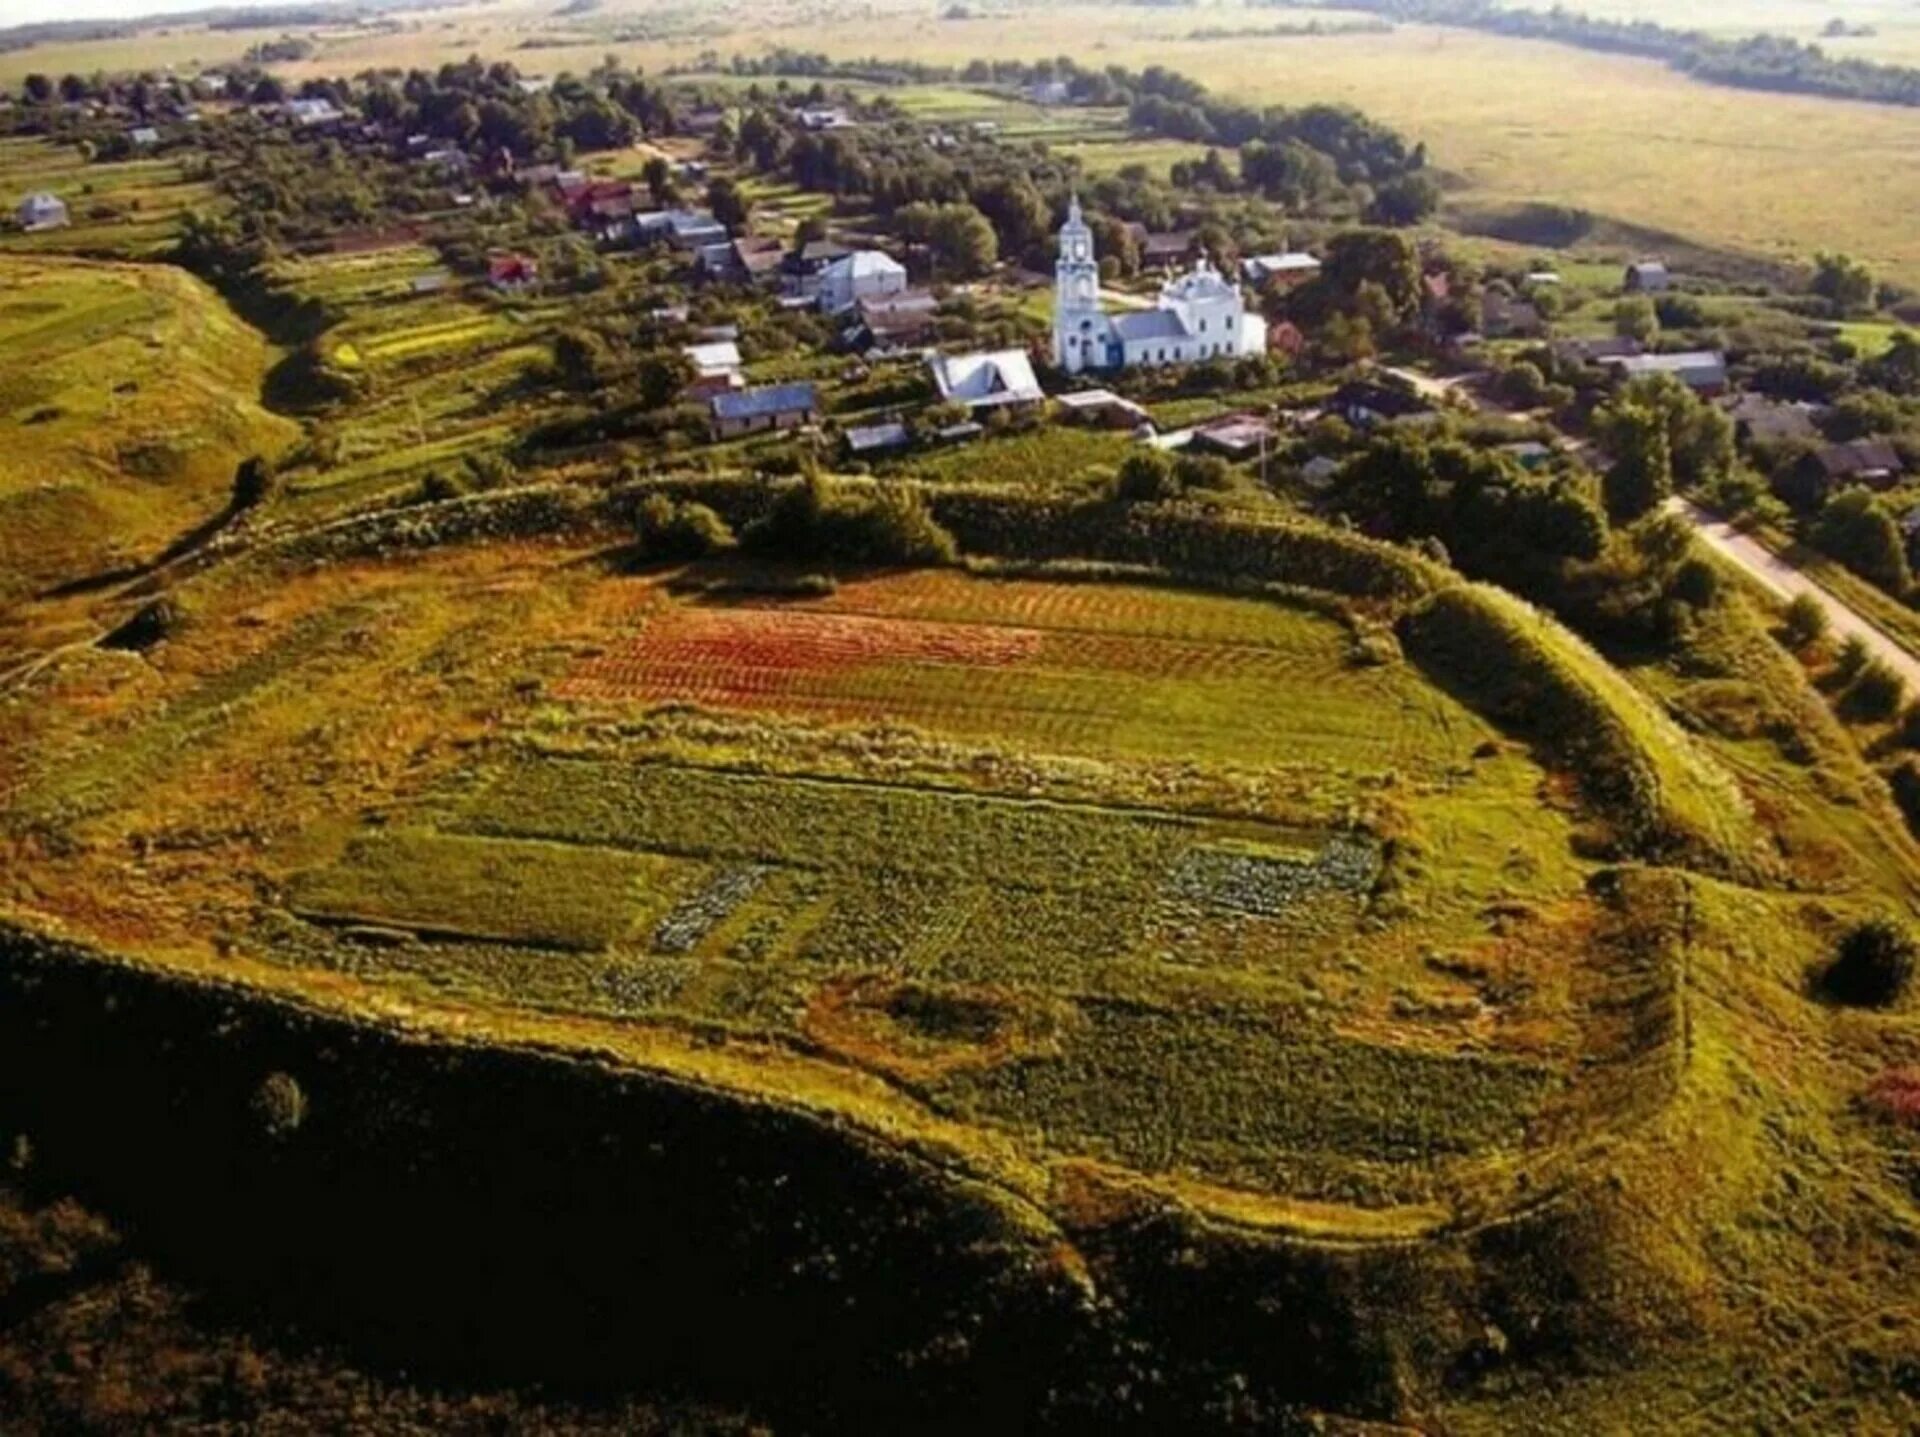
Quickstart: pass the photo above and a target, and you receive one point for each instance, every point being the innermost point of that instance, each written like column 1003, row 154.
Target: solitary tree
column 1642, row 474
column 729, row 205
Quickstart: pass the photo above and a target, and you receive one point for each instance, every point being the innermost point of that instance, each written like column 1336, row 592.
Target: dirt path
column 1778, row 576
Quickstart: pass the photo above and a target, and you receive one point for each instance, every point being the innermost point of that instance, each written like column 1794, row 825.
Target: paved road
column 1777, row 575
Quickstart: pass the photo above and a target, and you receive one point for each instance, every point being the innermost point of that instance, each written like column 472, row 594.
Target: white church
column 1199, row 315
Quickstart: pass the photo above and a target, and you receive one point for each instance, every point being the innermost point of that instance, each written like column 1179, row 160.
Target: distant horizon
column 44, row 12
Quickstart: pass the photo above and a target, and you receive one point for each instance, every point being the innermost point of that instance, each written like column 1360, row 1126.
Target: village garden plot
column 124, row 208
column 977, row 906
column 1162, row 878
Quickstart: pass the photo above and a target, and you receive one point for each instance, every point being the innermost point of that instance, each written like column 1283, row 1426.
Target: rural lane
column 1778, row 576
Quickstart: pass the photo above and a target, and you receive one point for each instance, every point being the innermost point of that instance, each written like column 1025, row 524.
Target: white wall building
column 1199, row 315
column 864, row 274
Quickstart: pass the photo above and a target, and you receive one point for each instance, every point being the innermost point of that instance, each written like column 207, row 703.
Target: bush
column 1146, row 477
column 280, row 1104
column 1875, row 694
column 437, row 488
column 1905, row 783
column 1806, row 622
column 1873, row 967
column 1908, row 733
column 1696, row 582
column 684, row 530
column 253, row 483
column 155, row 620
column 1853, row 660
column 824, row 521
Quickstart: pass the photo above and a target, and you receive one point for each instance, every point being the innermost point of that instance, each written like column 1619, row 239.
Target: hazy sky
column 26, row 12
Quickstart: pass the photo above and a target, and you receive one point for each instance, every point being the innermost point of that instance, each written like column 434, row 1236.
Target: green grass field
column 127, row 396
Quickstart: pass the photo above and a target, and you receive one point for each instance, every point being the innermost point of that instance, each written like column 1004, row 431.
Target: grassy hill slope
column 127, row 396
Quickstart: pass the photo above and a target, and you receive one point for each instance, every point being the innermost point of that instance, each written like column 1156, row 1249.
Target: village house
column 1199, row 315
column 1648, row 276
column 1366, row 405
column 1002, row 379
column 143, row 137
column 751, row 259
column 1760, row 420
column 716, row 368
column 1704, row 371
column 42, row 211
column 772, row 407
column 824, row 117
column 513, row 273
column 805, row 264
column 1504, row 317
column 312, row 114
column 1164, row 251
column 864, row 274
column 1049, row 92
column 1819, row 475
column 894, row 321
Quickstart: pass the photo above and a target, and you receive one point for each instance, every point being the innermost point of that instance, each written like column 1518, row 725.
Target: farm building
column 824, row 117
column 1235, row 436
column 42, row 211
column 1282, row 271
column 143, row 136
column 864, row 274
column 1704, row 371
column 1648, row 276
column 1597, row 351
column 1198, row 315
column 774, row 406
column 432, row 282
column 866, row 441
column 1103, row 407
column 1002, row 379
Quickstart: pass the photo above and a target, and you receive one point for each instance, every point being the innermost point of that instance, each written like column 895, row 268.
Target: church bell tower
column 1079, row 327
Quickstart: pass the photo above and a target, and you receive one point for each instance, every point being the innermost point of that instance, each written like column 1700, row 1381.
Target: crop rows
column 700, row 913
column 1143, row 610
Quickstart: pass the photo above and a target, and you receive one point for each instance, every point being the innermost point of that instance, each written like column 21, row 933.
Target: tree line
column 1757, row 62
